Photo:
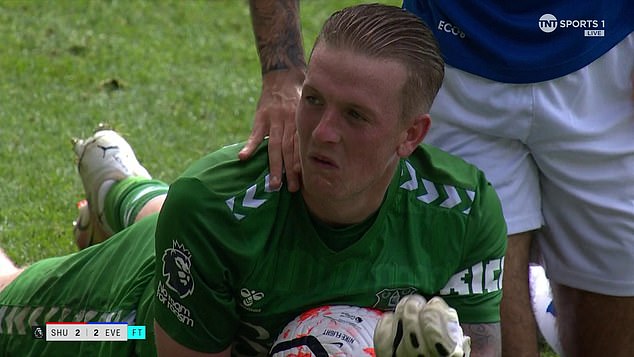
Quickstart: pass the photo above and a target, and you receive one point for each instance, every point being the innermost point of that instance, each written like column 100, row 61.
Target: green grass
column 188, row 82
column 178, row 78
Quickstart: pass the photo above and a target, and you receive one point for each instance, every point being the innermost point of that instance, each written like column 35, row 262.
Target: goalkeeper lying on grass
column 229, row 262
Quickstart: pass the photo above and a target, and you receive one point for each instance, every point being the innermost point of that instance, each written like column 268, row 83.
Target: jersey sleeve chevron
column 479, row 279
column 460, row 202
column 215, row 217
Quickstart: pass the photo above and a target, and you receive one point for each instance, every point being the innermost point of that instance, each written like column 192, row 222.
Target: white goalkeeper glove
column 421, row 328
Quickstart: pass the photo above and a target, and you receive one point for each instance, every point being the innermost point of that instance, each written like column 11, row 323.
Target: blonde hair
column 389, row 32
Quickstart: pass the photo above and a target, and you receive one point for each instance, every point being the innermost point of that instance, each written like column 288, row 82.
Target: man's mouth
column 323, row 161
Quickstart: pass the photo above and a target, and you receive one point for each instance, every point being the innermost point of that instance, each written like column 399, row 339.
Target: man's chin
column 325, row 189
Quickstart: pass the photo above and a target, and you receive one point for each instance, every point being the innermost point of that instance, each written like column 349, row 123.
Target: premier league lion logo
column 177, row 269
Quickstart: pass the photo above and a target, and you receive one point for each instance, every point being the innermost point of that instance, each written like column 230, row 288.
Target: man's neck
column 350, row 210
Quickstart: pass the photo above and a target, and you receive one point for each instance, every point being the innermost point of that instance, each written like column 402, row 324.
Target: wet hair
column 391, row 33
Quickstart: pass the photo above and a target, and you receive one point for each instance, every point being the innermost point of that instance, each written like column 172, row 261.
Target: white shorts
column 560, row 153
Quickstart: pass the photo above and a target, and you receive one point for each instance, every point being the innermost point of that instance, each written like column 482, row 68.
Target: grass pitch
column 177, row 78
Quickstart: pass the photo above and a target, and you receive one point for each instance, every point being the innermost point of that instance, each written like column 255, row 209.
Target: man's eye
column 355, row 115
column 312, row 100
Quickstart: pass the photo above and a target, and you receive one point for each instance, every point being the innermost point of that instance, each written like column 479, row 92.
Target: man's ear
column 414, row 134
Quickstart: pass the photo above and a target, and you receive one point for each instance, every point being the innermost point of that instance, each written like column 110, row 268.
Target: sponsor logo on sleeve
column 482, row 278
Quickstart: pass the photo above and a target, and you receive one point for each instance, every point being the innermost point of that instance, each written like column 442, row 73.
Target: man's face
column 349, row 125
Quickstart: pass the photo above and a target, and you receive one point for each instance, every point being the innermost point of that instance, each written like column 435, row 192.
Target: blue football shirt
column 524, row 41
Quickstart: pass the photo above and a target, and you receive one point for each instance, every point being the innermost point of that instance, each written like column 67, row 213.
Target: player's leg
column 108, row 282
column 119, row 189
column 515, row 309
column 127, row 201
column 117, row 185
column 485, row 122
column 8, row 270
column 593, row 324
column 586, row 154
column 6, row 265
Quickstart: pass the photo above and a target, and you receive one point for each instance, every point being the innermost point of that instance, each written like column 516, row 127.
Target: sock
column 127, row 197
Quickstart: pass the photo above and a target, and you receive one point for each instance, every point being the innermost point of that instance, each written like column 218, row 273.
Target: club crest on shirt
column 177, row 269
column 388, row 298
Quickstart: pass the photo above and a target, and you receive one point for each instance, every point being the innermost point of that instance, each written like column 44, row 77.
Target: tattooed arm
column 277, row 29
column 486, row 339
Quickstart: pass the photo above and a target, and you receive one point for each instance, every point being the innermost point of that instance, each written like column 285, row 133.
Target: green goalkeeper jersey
column 236, row 261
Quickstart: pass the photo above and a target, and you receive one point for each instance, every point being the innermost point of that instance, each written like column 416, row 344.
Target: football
column 543, row 307
column 328, row 331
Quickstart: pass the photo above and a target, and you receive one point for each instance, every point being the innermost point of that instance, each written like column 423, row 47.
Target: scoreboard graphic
column 88, row 331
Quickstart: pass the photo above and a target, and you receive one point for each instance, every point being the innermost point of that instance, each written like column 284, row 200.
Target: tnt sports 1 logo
column 591, row 28
column 548, row 23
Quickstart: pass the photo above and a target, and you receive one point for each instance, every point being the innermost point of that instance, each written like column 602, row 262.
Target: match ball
column 543, row 307
column 329, row 331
